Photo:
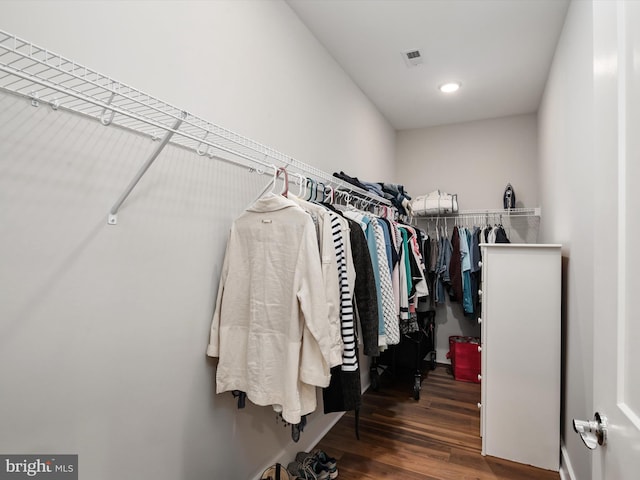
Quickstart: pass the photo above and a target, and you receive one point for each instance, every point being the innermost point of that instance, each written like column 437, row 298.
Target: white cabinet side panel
column 522, row 355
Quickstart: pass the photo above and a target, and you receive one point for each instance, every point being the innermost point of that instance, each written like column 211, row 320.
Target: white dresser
column 521, row 341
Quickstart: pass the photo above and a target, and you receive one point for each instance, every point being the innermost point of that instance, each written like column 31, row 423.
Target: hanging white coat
column 270, row 327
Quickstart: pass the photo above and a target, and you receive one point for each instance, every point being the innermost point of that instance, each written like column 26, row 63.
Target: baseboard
column 366, row 386
column 441, row 356
column 566, row 470
column 308, row 440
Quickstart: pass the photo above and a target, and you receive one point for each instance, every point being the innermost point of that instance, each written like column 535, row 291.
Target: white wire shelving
column 488, row 215
column 47, row 78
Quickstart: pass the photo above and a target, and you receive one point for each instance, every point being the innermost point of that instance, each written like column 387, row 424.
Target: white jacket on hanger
column 270, row 327
column 329, row 272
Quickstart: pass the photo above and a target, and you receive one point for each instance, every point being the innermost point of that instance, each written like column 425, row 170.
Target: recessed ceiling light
column 449, row 87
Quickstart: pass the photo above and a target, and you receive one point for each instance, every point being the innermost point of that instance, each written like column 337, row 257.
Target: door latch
column 592, row 432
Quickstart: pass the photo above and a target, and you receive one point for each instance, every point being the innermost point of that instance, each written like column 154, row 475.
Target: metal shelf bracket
column 113, row 213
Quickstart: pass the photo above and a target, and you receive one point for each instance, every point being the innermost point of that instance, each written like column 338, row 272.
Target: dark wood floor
column 435, row 438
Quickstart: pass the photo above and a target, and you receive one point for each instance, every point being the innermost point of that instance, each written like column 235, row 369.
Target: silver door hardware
column 593, row 432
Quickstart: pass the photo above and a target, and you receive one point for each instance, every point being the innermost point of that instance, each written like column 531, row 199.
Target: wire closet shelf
column 483, row 216
column 47, row 78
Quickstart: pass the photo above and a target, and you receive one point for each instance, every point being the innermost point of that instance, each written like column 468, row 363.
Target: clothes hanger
column 339, row 199
column 312, row 186
column 332, row 197
column 347, row 198
column 285, row 187
column 320, row 191
column 302, row 186
column 275, row 178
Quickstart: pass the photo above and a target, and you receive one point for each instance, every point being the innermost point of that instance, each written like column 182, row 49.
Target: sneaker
column 326, row 460
column 309, row 469
column 322, row 459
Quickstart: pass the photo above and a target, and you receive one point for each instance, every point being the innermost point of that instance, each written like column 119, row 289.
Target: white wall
column 248, row 65
column 476, row 160
column 567, row 184
column 104, row 328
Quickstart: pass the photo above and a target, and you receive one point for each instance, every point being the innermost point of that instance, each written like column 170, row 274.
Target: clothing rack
column 483, row 215
column 46, row 78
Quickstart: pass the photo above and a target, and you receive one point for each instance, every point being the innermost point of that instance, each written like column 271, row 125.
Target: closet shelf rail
column 492, row 213
column 47, row 78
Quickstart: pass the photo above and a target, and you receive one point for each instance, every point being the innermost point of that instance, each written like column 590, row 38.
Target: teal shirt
column 373, row 252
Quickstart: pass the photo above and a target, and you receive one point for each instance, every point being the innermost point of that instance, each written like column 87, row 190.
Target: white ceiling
column 500, row 50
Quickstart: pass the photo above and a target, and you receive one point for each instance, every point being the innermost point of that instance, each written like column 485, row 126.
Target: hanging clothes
column 344, row 390
column 465, row 264
column 501, row 235
column 269, row 328
column 324, row 231
column 336, row 244
column 485, row 233
column 387, row 241
column 491, row 236
column 369, row 230
column 458, row 263
column 455, row 267
column 404, row 278
column 429, row 251
column 416, row 262
column 347, row 325
column 391, row 326
column 476, row 269
column 433, row 268
column 443, row 278
column 364, row 290
column 394, row 238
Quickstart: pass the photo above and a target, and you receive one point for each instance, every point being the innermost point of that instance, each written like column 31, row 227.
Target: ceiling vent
column 412, row 58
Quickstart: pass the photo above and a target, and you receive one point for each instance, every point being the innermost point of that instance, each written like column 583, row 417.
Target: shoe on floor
column 326, row 462
column 309, row 469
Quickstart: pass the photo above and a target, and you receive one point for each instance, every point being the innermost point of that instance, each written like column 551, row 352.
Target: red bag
column 465, row 358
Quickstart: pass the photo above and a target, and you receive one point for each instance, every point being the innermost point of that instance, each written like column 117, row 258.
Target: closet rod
column 45, row 77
